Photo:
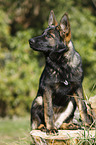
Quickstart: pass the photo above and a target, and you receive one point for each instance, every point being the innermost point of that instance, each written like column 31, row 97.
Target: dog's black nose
column 31, row 41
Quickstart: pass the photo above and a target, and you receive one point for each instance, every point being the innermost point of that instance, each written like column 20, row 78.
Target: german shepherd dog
column 60, row 86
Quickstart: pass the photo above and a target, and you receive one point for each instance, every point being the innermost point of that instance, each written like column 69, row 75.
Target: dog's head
column 55, row 37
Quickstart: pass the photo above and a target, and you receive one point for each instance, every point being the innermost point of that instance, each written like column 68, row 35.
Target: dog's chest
column 58, row 76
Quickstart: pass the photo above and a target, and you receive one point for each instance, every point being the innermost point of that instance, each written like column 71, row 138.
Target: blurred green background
column 20, row 66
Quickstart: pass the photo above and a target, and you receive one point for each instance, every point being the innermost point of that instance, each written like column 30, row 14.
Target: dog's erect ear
column 65, row 30
column 52, row 19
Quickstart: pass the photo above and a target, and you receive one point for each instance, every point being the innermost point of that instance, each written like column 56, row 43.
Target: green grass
column 15, row 131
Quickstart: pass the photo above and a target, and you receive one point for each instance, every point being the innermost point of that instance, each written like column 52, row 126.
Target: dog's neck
column 72, row 56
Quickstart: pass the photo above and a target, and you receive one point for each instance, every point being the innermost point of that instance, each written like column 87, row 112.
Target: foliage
column 20, row 67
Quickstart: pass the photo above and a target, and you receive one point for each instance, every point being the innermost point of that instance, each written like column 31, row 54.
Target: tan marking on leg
column 48, row 110
column 79, row 98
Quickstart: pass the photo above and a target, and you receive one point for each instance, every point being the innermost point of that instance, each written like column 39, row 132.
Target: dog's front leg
column 86, row 118
column 48, row 112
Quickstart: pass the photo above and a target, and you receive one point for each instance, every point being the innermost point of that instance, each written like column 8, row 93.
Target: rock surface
column 65, row 137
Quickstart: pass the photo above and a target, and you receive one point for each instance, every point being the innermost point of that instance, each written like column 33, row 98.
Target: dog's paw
column 42, row 127
column 70, row 126
column 53, row 131
column 74, row 127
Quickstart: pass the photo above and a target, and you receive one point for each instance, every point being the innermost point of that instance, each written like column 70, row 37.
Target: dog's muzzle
column 31, row 41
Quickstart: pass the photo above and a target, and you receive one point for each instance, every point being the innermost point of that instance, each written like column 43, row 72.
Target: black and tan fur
column 60, row 86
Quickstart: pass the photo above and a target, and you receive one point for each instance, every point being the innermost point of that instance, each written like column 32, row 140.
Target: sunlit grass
column 15, row 131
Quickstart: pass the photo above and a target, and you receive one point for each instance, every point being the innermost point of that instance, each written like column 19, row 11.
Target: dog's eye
column 51, row 35
column 47, row 36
